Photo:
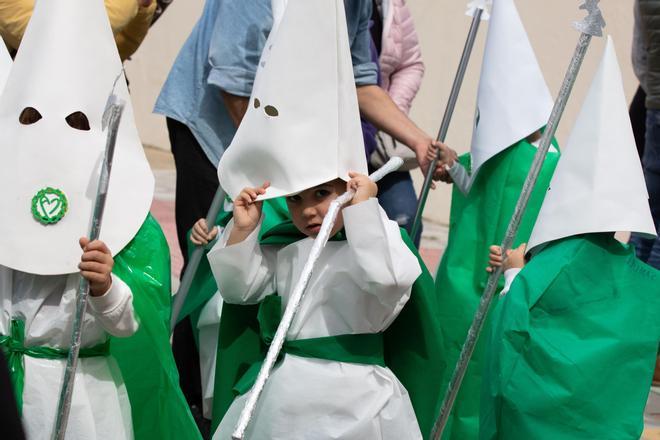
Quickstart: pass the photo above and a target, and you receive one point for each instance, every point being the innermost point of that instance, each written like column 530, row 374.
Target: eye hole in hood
column 78, row 120
column 29, row 116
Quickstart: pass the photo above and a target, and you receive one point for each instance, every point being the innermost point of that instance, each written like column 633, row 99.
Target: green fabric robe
column 477, row 221
column 412, row 343
column 158, row 407
column 573, row 345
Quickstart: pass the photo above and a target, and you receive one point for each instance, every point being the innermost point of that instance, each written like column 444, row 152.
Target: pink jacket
column 400, row 60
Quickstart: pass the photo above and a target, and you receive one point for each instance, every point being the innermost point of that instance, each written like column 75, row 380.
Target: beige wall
column 149, row 66
column 442, row 27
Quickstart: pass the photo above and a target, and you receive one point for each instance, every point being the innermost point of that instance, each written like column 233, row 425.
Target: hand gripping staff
column 591, row 26
column 195, row 259
column 111, row 118
column 296, row 296
column 478, row 11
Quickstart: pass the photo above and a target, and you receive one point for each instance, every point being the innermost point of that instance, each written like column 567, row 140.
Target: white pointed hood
column 513, row 100
column 598, row 185
column 302, row 127
column 67, row 63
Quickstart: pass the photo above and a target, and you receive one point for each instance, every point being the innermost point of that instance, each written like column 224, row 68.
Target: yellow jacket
column 129, row 22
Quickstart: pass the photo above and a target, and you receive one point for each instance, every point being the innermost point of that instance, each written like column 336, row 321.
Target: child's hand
column 364, row 187
column 200, row 233
column 494, row 258
column 96, row 266
column 247, row 213
column 515, row 258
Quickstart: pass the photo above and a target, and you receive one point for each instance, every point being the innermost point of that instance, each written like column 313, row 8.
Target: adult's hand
column 236, row 106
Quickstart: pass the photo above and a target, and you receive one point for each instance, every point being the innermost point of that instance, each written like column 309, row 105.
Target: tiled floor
column 434, row 240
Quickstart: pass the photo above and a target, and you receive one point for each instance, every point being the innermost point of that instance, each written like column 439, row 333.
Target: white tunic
column 358, row 286
column 100, row 407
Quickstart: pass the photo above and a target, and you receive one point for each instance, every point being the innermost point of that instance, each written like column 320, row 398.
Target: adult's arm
column 240, row 32
column 375, row 104
column 130, row 37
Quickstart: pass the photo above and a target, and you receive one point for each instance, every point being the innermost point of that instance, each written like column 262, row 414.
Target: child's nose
column 309, row 212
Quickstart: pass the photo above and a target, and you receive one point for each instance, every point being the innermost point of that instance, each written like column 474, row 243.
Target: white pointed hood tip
column 302, row 127
column 62, row 76
column 598, row 185
column 513, row 100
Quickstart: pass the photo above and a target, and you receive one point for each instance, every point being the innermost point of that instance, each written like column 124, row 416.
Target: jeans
column 648, row 249
column 396, row 194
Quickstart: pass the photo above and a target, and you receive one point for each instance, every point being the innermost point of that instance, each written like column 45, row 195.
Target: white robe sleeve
column 509, row 276
column 383, row 265
column 114, row 309
column 245, row 271
column 462, row 180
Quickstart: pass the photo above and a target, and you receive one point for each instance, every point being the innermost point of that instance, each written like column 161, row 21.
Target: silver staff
column 111, row 118
column 195, row 259
column 449, row 112
column 296, row 296
column 591, row 26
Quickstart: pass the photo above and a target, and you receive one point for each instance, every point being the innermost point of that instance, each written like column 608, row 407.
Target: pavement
column 434, row 241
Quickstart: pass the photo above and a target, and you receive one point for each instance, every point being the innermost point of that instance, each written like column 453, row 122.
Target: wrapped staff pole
column 449, row 111
column 195, row 259
column 590, row 26
column 296, row 297
column 111, row 118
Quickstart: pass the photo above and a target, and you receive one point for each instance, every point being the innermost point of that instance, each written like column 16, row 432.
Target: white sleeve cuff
column 462, row 180
column 509, row 276
column 111, row 299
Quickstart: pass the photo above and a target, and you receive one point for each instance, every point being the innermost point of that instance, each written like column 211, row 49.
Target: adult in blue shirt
column 205, row 98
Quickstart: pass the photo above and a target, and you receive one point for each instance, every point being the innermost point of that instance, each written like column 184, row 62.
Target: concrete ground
column 434, row 241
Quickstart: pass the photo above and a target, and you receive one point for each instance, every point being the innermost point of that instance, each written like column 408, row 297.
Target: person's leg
column 396, row 195
column 648, row 250
column 637, row 113
column 196, row 183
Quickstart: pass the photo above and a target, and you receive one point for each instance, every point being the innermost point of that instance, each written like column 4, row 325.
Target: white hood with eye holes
column 302, row 127
column 49, row 170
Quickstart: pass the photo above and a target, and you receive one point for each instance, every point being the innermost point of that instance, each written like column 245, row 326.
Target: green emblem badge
column 49, row 206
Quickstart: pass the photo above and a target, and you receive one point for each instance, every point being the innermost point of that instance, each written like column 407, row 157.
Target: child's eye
column 294, row 199
column 322, row 193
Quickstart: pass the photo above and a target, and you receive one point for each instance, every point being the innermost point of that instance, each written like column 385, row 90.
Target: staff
column 195, row 259
column 479, row 8
column 591, row 26
column 111, row 119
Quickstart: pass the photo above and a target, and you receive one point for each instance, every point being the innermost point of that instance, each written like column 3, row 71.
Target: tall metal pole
column 195, row 259
column 591, row 26
column 113, row 115
column 449, row 112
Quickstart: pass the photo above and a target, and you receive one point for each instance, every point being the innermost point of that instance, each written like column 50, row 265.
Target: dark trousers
column 648, row 249
column 638, row 119
column 196, row 184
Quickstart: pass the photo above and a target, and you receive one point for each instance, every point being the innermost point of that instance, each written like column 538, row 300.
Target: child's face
column 308, row 208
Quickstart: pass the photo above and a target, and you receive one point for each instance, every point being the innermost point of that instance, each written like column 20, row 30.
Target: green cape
column 159, row 409
column 477, row 221
column 203, row 286
column 412, row 342
column 573, row 345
